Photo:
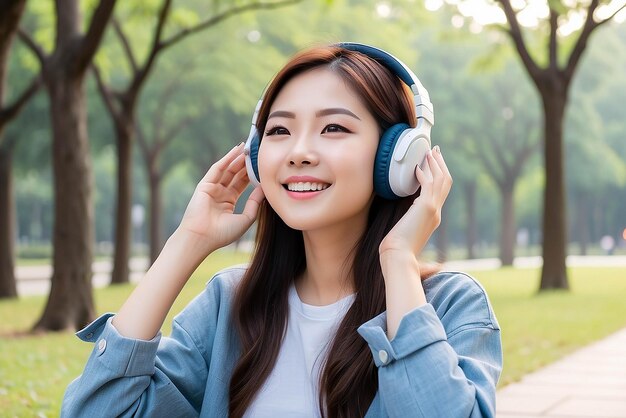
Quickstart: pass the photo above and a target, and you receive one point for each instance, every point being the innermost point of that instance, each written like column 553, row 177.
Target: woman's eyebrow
column 282, row 114
column 319, row 113
column 335, row 111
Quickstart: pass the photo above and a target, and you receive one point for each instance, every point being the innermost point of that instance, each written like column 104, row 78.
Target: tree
column 553, row 81
column 152, row 151
column 552, row 75
column 10, row 15
column 121, row 105
column 599, row 175
column 70, row 303
column 503, row 149
column 460, row 75
column 594, row 143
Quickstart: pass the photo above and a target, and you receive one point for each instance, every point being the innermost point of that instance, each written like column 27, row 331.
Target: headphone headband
column 423, row 106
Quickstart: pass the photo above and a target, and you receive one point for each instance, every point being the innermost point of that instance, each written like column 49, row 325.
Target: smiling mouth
column 306, row 187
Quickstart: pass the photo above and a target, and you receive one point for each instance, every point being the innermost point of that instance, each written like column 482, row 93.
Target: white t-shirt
column 292, row 388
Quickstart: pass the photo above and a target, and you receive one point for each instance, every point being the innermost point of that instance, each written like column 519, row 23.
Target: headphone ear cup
column 382, row 164
column 252, row 159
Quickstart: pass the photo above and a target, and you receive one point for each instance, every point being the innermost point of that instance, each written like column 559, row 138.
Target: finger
column 233, row 169
column 240, row 181
column 425, row 179
column 426, row 169
column 447, row 177
column 251, row 209
column 442, row 163
column 434, row 168
column 214, row 173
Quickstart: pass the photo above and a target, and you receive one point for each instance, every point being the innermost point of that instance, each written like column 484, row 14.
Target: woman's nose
column 303, row 152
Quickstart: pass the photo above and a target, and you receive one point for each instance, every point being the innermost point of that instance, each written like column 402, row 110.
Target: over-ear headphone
column 401, row 148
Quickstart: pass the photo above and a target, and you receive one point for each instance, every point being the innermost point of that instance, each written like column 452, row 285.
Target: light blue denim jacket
column 444, row 361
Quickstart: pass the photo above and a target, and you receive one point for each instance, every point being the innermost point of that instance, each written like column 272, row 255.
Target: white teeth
column 306, row 187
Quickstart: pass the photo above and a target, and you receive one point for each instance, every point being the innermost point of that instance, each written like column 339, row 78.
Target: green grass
column 536, row 329
column 32, row 261
column 35, row 370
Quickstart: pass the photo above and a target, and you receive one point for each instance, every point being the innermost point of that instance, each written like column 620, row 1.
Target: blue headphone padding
column 254, row 154
column 384, row 154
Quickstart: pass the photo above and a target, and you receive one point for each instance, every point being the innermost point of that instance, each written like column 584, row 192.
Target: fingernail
column 437, row 149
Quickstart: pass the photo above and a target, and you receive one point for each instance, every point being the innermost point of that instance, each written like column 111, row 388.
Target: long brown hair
column 349, row 380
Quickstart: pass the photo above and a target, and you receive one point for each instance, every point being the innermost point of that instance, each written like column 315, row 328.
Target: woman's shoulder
column 460, row 301
column 216, row 298
column 452, row 282
column 227, row 279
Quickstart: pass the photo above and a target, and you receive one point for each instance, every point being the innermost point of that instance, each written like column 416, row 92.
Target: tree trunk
column 471, row 235
column 8, row 287
column 554, row 272
column 155, row 214
column 10, row 15
column 123, row 227
column 70, row 304
column 507, row 225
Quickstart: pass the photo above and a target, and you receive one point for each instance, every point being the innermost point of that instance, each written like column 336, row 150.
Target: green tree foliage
column 221, row 74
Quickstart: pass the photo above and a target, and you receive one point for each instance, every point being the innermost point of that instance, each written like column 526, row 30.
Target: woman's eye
column 333, row 128
column 277, row 130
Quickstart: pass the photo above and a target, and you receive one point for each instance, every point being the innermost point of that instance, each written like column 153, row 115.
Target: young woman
column 334, row 316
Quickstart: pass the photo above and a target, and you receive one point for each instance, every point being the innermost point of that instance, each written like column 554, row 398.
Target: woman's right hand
column 209, row 215
column 208, row 224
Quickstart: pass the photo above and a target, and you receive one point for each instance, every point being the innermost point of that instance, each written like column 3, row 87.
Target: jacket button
column 383, row 356
column 102, row 345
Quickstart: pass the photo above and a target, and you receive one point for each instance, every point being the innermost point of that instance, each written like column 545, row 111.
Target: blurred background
column 201, row 92
column 111, row 112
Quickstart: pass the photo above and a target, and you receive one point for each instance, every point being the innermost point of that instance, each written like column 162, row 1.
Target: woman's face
column 317, row 153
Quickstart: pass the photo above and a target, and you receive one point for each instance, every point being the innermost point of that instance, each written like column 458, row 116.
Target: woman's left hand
column 413, row 230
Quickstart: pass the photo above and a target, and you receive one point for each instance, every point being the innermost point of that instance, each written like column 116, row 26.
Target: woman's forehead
column 319, row 88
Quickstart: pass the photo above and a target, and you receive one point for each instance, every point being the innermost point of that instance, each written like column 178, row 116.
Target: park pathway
column 589, row 383
column 35, row 280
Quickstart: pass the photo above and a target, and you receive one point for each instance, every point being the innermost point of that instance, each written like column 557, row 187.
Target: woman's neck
column 329, row 257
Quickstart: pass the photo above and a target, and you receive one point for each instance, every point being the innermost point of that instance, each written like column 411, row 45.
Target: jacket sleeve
column 163, row 377
column 441, row 363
